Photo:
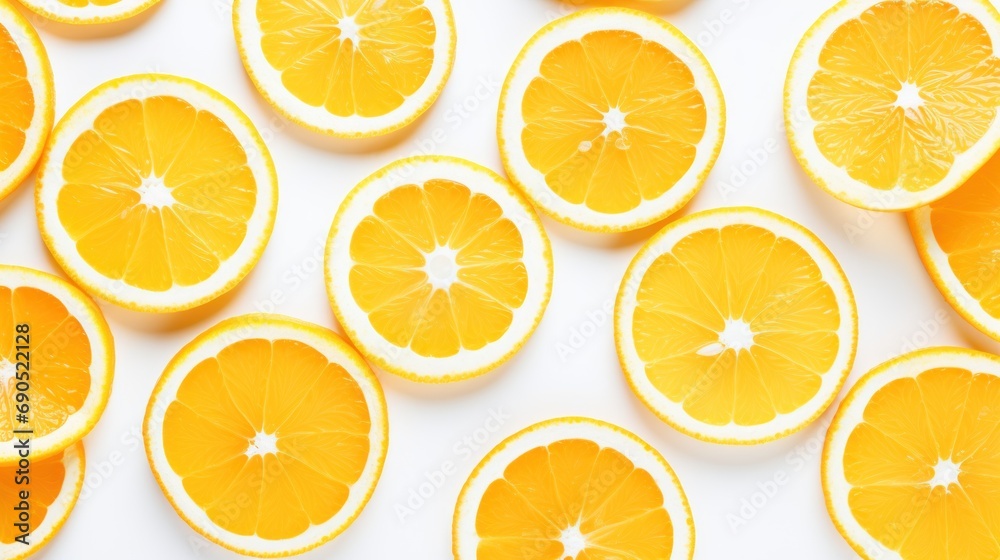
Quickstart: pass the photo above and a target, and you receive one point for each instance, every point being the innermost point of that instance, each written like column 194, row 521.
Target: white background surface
column 123, row 515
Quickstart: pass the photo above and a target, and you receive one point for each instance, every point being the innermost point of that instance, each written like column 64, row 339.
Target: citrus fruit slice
column 911, row 460
column 53, row 487
column 610, row 119
column 347, row 69
column 156, row 193
column 28, row 104
column 437, row 269
column 573, row 488
column 891, row 104
column 958, row 238
column 267, row 434
column 736, row 326
column 56, row 348
column 88, row 11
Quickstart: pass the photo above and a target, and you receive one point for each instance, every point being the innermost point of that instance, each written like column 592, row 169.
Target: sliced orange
column 26, row 111
column 911, row 459
column 437, row 269
column 573, row 488
column 156, row 193
column 347, row 68
column 267, row 434
column 892, row 104
column 958, row 238
column 610, row 119
column 736, row 326
column 53, row 488
column 57, row 334
column 88, row 11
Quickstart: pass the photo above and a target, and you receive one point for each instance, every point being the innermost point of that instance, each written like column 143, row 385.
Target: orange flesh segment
column 911, row 425
column 966, row 225
column 46, row 481
column 60, row 359
column 18, row 105
column 416, row 229
column 370, row 75
column 573, row 485
column 742, row 273
column 157, row 194
column 612, row 120
column 902, row 90
column 284, row 434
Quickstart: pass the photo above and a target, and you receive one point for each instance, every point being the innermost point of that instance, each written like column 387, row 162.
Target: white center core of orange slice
column 573, row 542
column 737, row 335
column 614, row 121
column 908, row 97
column 8, row 371
column 262, row 444
column 441, row 268
column 349, row 30
column 153, row 193
column 945, row 474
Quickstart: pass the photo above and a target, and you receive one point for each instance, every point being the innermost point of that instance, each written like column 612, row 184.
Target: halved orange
column 56, row 347
column 347, row 68
column 736, row 325
column 911, row 460
column 156, row 193
column 958, row 238
column 892, row 104
column 437, row 268
column 573, row 488
column 53, row 488
column 267, row 434
column 27, row 109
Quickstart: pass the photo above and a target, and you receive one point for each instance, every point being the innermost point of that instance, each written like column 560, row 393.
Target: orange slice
column 53, row 488
column 958, row 238
column 892, row 104
column 57, row 334
column 156, row 193
column 610, row 119
column 437, row 269
column 911, row 459
column 88, row 11
column 736, row 326
column 267, row 434
column 26, row 90
column 573, row 488
column 347, row 68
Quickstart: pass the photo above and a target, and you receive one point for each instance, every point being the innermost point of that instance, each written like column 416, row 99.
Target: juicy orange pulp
column 574, row 499
column 737, row 324
column 923, row 465
column 59, row 359
column 438, row 268
column 966, row 225
column 351, row 57
column 282, row 435
column 157, row 193
column 47, row 477
column 18, row 105
column 902, row 90
column 612, row 120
